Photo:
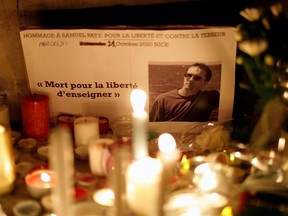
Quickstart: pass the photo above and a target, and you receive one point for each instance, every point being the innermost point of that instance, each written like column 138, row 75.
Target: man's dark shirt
column 170, row 106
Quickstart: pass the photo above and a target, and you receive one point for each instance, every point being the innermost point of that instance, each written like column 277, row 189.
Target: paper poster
column 93, row 71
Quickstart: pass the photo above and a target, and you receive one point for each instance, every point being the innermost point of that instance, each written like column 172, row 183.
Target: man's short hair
column 205, row 68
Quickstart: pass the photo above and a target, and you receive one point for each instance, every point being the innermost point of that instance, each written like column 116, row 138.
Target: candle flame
column 233, row 156
column 45, row 177
column 138, row 100
column 185, row 164
column 166, row 143
column 104, row 196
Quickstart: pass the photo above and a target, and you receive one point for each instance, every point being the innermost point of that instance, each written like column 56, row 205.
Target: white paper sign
column 93, row 71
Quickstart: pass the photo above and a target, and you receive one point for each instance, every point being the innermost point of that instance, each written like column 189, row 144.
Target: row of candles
column 145, row 179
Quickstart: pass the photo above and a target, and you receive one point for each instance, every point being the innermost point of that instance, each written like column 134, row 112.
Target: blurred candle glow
column 140, row 123
column 7, row 164
column 168, row 153
column 207, row 177
column 185, row 164
column 168, row 156
column 167, row 144
column 104, row 197
column 143, row 180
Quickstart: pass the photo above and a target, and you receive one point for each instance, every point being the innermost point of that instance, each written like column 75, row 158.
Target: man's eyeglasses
column 195, row 77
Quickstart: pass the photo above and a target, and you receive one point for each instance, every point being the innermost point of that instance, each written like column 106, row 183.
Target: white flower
column 276, row 9
column 266, row 23
column 213, row 139
column 253, row 47
column 251, row 14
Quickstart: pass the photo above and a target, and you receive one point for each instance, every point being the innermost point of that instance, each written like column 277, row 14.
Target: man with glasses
column 188, row 103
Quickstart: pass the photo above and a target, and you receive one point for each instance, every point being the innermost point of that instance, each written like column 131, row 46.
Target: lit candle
column 36, row 116
column 28, row 145
column 7, row 164
column 189, row 202
column 62, row 162
column 168, row 152
column 85, row 128
column 40, row 182
column 140, row 124
column 168, row 156
column 143, row 181
column 183, row 202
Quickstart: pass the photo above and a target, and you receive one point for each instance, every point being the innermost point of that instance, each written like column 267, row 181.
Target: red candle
column 40, row 182
column 35, row 116
column 103, row 124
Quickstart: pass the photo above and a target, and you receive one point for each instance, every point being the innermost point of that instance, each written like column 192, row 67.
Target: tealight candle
column 36, row 116
column 27, row 208
column 43, row 152
column 28, row 145
column 140, row 124
column 143, row 180
column 85, row 128
column 40, row 182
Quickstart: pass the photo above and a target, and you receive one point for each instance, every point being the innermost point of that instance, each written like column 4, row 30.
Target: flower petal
column 276, row 9
column 253, row 47
column 251, row 14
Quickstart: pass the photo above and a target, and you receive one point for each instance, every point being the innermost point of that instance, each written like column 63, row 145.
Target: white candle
column 168, row 151
column 140, row 124
column 168, row 156
column 62, row 162
column 143, row 178
column 85, row 128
